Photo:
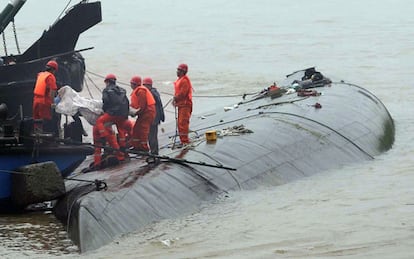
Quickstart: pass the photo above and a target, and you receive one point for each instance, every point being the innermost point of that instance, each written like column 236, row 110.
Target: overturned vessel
column 304, row 126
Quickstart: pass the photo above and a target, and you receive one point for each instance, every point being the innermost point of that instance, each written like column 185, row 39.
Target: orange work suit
column 142, row 99
column 99, row 142
column 125, row 137
column 183, row 101
column 115, row 107
column 43, row 99
column 104, row 130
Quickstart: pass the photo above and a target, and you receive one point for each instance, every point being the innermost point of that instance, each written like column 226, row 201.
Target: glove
column 132, row 112
column 56, row 100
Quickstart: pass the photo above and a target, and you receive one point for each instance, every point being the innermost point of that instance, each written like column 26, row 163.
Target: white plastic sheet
column 71, row 103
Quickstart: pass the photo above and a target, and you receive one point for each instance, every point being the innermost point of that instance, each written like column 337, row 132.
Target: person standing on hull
column 134, row 83
column 142, row 106
column 116, row 108
column 159, row 116
column 182, row 100
column 44, row 94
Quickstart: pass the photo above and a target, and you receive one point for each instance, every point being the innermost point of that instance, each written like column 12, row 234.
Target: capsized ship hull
column 268, row 141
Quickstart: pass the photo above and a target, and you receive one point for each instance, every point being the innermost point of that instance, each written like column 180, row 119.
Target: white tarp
column 71, row 103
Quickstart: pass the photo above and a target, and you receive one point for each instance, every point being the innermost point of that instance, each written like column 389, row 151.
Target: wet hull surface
column 268, row 141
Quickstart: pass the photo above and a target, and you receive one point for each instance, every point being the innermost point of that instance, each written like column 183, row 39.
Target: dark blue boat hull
column 66, row 157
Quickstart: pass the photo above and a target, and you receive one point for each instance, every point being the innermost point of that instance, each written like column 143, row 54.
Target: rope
column 170, row 94
column 87, row 88
column 227, row 122
column 291, row 114
column 69, row 210
column 228, row 171
column 362, row 88
column 15, row 172
column 176, row 127
column 103, row 77
column 64, row 9
column 224, row 96
column 326, row 126
column 277, row 103
column 93, row 83
column 215, row 187
column 100, row 184
column 168, row 103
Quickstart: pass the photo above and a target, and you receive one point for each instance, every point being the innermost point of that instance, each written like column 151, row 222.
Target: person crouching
column 116, row 108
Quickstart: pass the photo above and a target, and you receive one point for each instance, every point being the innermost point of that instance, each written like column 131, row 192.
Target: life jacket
column 40, row 88
column 187, row 100
column 148, row 95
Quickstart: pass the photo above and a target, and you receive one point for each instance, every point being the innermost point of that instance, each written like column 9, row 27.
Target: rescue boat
column 305, row 125
column 19, row 145
column 18, row 72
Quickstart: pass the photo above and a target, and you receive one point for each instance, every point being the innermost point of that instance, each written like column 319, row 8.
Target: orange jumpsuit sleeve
column 51, row 82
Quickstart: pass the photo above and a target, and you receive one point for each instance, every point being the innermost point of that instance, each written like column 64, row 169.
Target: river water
column 235, row 47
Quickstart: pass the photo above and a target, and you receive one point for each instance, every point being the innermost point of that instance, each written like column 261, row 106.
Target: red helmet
column 183, row 67
column 53, row 64
column 136, row 80
column 110, row 77
column 147, row 81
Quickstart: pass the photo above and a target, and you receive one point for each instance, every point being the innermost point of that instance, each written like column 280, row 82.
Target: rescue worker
column 182, row 100
column 44, row 94
column 115, row 107
column 159, row 116
column 135, row 82
column 143, row 106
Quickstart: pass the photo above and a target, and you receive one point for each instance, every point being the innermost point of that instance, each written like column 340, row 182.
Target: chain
column 15, row 37
column 4, row 44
